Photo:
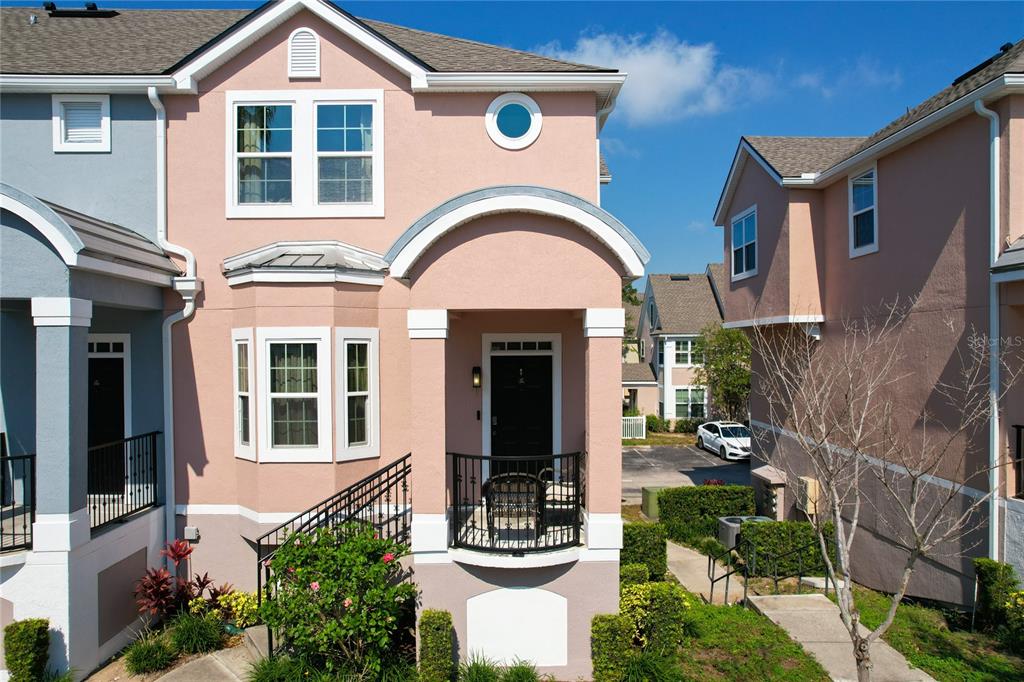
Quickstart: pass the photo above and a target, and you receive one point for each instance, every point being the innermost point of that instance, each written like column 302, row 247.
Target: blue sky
column 702, row 74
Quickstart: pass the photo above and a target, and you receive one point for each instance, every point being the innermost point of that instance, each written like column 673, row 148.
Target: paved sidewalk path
column 691, row 569
column 225, row 665
column 813, row 621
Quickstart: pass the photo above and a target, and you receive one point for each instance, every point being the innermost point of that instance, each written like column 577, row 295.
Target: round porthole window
column 513, row 120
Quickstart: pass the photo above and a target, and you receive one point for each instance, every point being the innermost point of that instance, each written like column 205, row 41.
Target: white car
column 728, row 440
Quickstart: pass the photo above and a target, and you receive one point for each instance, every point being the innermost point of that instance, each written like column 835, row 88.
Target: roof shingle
column 635, row 372
column 685, row 306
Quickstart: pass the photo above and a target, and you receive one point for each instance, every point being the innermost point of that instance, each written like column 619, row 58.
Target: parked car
column 728, row 440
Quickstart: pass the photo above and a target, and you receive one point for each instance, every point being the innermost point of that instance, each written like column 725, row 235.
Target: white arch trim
column 53, row 228
column 414, row 248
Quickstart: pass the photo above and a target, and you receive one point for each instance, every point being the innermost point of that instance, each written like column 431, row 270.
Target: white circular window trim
column 532, row 133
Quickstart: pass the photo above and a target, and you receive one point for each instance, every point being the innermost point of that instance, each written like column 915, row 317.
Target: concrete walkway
column 813, row 621
column 691, row 569
column 226, row 665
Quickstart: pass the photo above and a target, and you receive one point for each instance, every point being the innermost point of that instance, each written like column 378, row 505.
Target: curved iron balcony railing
column 516, row 505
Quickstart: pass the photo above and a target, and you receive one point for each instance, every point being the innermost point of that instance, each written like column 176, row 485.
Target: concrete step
column 256, row 641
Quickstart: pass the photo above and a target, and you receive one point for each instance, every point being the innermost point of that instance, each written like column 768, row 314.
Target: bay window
column 357, row 419
column 242, row 367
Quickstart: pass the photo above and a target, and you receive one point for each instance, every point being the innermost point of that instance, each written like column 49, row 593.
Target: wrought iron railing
column 381, row 499
column 17, row 501
column 744, row 559
column 122, row 479
column 516, row 505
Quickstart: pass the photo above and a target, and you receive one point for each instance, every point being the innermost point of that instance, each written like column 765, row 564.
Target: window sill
column 863, row 251
column 292, row 211
column 744, row 275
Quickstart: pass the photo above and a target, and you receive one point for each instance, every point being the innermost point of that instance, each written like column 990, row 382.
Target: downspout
column 187, row 286
column 993, row 329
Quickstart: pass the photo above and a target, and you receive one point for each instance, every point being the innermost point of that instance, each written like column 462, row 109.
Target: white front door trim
column 126, row 371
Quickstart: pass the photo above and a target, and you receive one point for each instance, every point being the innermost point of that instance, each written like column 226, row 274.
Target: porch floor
column 512, row 534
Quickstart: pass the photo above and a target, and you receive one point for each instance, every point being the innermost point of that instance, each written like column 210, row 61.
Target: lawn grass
column 631, row 514
column 733, row 643
column 924, row 636
column 675, row 439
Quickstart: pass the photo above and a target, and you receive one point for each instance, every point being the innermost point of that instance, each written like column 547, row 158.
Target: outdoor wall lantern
column 476, row 377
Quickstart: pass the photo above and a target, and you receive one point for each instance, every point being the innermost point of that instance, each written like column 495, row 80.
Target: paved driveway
column 674, row 466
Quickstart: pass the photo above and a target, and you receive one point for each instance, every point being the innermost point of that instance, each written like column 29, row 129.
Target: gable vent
column 303, row 54
column 83, row 122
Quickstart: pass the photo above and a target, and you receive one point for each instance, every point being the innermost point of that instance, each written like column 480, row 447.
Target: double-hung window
column 305, row 154
column 243, row 385
column 689, row 403
column 661, row 352
column 863, row 214
column 357, row 419
column 296, row 394
column 744, row 244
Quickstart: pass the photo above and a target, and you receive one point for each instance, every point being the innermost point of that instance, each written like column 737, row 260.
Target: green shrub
column 479, row 668
column 611, row 635
column 644, row 543
column 687, row 425
column 657, row 613
column 650, row 666
column 27, row 649
column 631, row 574
column 436, row 646
column 631, row 413
column 1014, row 636
column 766, row 541
column 691, row 512
column 148, row 654
column 709, row 546
column 276, row 669
column 996, row 582
column 54, row 676
column 341, row 597
column 656, row 424
column 521, row 671
column 240, row 609
column 196, row 634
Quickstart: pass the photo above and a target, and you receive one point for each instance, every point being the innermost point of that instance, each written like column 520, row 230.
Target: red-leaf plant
column 158, row 593
column 154, row 592
column 177, row 551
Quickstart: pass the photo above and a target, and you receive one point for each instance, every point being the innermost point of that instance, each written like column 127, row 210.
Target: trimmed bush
column 644, row 543
column 771, row 539
column 631, row 574
column 996, row 582
column 436, row 646
column 611, row 635
column 691, row 512
column 27, row 649
column 656, row 424
column 150, row 653
column 686, row 425
column 709, row 546
column 656, row 613
column 195, row 634
column 1014, row 636
column 479, row 668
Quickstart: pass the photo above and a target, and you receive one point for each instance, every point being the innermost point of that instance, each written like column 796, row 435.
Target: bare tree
column 847, row 416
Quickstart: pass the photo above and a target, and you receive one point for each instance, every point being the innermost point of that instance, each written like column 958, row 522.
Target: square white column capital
column 604, row 322
column 428, row 323
column 61, row 312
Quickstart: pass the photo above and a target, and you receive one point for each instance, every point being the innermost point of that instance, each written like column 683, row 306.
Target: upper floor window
column 303, row 54
column 513, row 121
column 744, row 244
column 305, row 153
column 661, row 352
column 81, row 123
column 688, row 352
column 863, row 214
column 643, row 349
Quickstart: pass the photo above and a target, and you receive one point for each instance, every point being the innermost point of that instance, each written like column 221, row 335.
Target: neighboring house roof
column 604, row 173
column 716, row 277
column 306, row 261
column 137, row 42
column 685, row 303
column 793, row 156
column 1012, row 258
column 638, row 372
column 633, row 315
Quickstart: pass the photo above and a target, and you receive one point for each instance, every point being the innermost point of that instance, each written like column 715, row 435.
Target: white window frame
column 675, row 400
column 321, row 336
column 60, row 145
column 298, row 74
column 244, row 450
column 343, row 336
column 690, row 341
column 305, row 202
column 856, row 252
column 513, row 143
column 643, row 349
column 746, row 274
column 661, row 351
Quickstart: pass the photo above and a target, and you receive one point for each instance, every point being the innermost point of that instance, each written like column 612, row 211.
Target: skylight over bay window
column 863, row 214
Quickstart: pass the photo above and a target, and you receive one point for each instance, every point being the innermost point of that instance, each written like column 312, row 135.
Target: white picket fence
column 634, row 428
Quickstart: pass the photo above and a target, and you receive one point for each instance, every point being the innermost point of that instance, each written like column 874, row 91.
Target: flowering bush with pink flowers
column 342, row 598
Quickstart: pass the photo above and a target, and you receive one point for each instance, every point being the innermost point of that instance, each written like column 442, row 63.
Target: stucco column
column 428, row 331
column 62, row 414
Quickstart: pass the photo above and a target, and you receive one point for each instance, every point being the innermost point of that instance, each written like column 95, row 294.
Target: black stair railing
column 381, row 499
column 17, row 501
column 122, row 479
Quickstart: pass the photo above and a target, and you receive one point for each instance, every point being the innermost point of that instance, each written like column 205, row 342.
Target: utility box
column 770, row 492
column 649, row 501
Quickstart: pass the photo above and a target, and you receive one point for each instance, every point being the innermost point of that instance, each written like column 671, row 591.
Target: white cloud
column 865, row 72
column 615, row 146
column 668, row 78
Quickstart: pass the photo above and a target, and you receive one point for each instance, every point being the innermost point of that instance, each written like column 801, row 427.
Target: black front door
column 521, row 418
column 106, row 425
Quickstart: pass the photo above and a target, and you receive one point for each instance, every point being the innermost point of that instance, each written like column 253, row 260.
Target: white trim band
column 777, row 319
column 604, row 322
column 427, row 323
column 61, row 312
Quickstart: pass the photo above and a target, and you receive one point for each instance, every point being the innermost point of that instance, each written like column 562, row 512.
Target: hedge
column 631, row 574
column 611, row 637
column 996, row 582
column 691, row 512
column 27, row 649
column 645, row 543
column 656, row 612
column 656, row 424
column 771, row 539
column 437, row 660
column 687, row 425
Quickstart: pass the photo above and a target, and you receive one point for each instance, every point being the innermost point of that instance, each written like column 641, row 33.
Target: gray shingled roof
column 634, row 372
column 1012, row 258
column 685, row 306
column 137, row 42
column 604, row 172
column 792, row 156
